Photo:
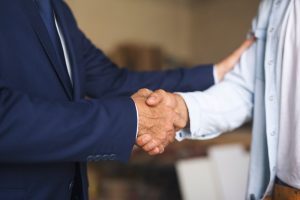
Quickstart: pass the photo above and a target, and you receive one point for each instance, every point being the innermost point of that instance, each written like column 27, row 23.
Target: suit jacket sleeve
column 104, row 78
column 33, row 129
column 38, row 130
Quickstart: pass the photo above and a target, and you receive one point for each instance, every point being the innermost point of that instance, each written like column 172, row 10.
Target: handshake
column 160, row 116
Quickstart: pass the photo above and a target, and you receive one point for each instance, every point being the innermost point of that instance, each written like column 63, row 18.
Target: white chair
column 220, row 176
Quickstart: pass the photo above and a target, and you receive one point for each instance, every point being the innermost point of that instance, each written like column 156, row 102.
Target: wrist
column 221, row 71
column 181, row 108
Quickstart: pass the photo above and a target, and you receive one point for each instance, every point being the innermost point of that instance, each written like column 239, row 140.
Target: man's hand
column 228, row 63
column 156, row 123
column 161, row 114
column 171, row 101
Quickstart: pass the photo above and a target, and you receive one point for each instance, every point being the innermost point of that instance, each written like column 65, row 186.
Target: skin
column 162, row 114
column 158, row 123
column 227, row 64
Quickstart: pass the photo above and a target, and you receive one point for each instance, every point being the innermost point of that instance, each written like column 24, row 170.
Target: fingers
column 155, row 147
column 179, row 122
column 246, row 44
column 156, row 151
column 228, row 63
column 155, row 98
column 151, row 145
column 143, row 93
column 143, row 139
column 156, row 122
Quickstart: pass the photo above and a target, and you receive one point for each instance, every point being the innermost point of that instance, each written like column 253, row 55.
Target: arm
column 224, row 106
column 39, row 130
column 103, row 78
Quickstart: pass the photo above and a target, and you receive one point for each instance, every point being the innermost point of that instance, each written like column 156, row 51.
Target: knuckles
column 157, row 121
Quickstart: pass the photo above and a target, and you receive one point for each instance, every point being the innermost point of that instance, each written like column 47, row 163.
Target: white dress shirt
column 65, row 50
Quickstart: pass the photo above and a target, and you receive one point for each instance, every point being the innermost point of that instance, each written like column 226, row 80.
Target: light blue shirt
column 288, row 159
column 250, row 91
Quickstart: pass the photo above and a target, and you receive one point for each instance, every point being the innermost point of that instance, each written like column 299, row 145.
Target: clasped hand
column 160, row 115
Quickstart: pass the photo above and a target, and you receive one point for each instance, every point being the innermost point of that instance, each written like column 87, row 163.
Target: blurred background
column 164, row 34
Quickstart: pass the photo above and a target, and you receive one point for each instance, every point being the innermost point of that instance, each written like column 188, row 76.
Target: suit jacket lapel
column 42, row 33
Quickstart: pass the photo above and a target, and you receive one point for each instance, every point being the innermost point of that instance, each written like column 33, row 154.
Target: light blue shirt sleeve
column 226, row 105
column 137, row 111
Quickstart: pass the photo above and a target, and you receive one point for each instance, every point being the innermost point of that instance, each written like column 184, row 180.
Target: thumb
column 179, row 122
column 144, row 92
column 154, row 99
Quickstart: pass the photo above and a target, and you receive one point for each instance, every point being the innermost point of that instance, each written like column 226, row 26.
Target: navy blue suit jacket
column 48, row 131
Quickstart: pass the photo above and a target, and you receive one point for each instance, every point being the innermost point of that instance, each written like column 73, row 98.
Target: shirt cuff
column 215, row 74
column 196, row 115
column 137, row 122
column 193, row 115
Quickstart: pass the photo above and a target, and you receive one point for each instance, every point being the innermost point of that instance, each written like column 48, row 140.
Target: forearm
column 126, row 83
column 224, row 106
column 39, row 130
column 220, row 109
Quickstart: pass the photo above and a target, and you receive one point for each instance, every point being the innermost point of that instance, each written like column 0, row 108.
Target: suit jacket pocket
column 12, row 194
